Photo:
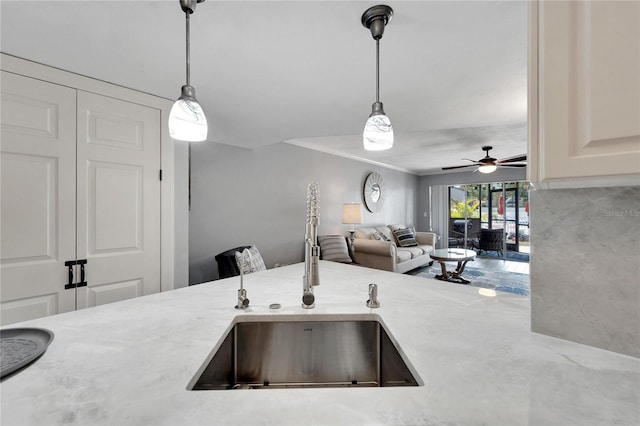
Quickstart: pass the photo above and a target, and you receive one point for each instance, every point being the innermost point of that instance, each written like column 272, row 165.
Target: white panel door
column 118, row 199
column 38, row 188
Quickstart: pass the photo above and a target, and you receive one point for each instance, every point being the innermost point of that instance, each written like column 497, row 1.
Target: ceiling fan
column 489, row 164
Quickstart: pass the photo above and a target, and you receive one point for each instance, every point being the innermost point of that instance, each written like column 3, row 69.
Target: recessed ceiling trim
column 303, row 144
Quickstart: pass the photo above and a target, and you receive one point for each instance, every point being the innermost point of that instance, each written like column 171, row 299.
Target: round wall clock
column 373, row 192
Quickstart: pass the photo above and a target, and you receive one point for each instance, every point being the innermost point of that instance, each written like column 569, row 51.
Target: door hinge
column 160, row 174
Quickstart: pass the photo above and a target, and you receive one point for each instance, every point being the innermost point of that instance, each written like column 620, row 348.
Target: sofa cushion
column 403, row 255
column 414, row 251
column 426, row 249
column 405, row 238
column 334, row 248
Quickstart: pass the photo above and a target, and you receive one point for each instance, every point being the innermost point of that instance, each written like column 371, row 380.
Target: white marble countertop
column 129, row 363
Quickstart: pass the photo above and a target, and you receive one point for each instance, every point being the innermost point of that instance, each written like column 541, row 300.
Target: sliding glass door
column 498, row 205
column 517, row 216
column 464, row 215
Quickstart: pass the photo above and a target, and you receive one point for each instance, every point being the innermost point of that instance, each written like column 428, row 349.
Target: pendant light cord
column 188, row 54
column 378, row 70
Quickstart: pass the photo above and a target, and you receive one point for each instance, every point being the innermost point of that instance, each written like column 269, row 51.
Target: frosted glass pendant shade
column 187, row 121
column 378, row 133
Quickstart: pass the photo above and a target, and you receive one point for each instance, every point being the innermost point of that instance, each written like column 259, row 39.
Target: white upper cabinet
column 584, row 93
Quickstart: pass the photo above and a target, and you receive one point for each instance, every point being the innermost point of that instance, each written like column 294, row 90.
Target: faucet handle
column 308, row 300
column 373, row 296
column 243, row 301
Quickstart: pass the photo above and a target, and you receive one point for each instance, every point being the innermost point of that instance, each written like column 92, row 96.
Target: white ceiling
column 452, row 73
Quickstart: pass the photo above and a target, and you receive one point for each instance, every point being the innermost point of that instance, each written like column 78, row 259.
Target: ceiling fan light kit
column 187, row 121
column 489, row 168
column 378, row 132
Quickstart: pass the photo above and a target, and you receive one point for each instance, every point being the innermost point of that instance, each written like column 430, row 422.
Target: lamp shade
column 187, row 121
column 352, row 213
column 378, row 133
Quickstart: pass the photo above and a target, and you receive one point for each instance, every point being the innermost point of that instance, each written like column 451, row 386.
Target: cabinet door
column 38, row 189
column 588, row 93
column 118, row 199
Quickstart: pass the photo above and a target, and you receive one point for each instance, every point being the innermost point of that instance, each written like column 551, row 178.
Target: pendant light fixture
column 378, row 133
column 187, row 121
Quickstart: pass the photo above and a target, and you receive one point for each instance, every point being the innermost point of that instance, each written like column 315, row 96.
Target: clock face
column 373, row 192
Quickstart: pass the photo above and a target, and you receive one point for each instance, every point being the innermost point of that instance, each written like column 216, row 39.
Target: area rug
column 509, row 282
column 508, row 255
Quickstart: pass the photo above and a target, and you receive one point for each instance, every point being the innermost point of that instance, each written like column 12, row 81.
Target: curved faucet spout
column 243, row 301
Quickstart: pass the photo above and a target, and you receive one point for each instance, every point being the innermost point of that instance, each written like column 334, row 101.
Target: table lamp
column 352, row 215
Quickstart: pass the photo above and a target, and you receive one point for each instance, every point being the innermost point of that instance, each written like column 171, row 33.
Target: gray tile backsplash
column 585, row 266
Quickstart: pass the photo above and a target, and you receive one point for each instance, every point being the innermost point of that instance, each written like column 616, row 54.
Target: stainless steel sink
column 296, row 351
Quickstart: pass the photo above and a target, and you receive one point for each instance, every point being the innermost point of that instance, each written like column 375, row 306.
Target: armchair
column 490, row 240
column 457, row 234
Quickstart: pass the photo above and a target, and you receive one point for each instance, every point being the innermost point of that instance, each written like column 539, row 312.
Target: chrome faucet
column 373, row 296
column 311, row 276
column 243, row 301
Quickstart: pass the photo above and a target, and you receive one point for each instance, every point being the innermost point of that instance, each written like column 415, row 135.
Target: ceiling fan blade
column 512, row 165
column 514, row 159
column 458, row 167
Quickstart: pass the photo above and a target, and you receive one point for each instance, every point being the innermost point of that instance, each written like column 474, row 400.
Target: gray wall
column 181, row 212
column 585, row 266
column 500, row 175
column 258, row 196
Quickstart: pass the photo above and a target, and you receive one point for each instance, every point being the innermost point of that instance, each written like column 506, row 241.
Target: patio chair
column 490, row 240
column 456, row 233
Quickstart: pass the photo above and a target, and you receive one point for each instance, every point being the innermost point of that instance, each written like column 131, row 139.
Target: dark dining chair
column 227, row 265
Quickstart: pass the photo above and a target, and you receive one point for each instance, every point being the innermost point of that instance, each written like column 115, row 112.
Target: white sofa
column 376, row 253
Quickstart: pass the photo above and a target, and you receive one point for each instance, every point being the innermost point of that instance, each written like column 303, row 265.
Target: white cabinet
column 584, row 97
column 81, row 199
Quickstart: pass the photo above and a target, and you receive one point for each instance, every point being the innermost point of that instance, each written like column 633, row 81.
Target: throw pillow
column 401, row 226
column 250, row 264
column 405, row 238
column 375, row 235
column 334, row 248
column 384, row 233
